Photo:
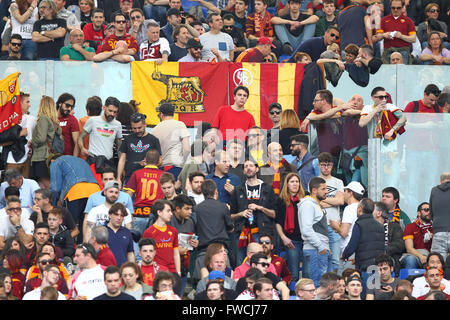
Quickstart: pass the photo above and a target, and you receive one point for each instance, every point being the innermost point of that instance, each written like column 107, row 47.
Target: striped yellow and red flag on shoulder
column 267, row 83
column 10, row 108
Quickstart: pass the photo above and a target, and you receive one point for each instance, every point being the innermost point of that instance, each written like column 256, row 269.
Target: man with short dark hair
column 237, row 33
column 120, row 239
column 233, row 121
column 433, row 277
column 267, row 243
column 14, row 47
column 216, row 40
column 68, row 123
column 307, row 165
column 103, row 132
column 95, row 30
column 50, row 278
column 135, row 147
column 329, row 283
column 173, row 19
column 87, row 283
column 314, row 229
column 149, row 267
column 387, row 284
column 273, row 134
column 263, row 289
column 428, row 103
column 113, row 283
column 391, row 198
column 138, row 25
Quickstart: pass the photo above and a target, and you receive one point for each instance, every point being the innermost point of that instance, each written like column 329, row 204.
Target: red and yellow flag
column 267, row 83
column 10, row 108
column 196, row 89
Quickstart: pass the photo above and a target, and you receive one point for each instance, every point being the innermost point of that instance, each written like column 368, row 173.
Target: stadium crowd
column 100, row 208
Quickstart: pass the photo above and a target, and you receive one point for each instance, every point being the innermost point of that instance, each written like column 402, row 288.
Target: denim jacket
column 65, row 172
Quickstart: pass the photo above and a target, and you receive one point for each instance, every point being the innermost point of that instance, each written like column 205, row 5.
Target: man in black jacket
column 252, row 210
column 395, row 246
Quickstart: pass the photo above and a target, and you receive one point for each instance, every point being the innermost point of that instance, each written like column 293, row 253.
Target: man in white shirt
column 15, row 224
column 87, row 283
column 99, row 215
column 155, row 48
column 174, row 139
column 26, row 187
column 27, row 122
column 331, row 205
column 353, row 193
column 50, row 278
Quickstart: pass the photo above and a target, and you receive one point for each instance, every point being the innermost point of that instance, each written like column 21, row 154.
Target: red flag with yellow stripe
column 10, row 108
column 267, row 83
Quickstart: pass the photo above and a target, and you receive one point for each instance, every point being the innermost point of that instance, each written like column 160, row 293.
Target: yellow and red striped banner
column 199, row 89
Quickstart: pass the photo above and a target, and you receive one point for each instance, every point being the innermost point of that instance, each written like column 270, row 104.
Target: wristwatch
column 43, row 33
column 18, row 227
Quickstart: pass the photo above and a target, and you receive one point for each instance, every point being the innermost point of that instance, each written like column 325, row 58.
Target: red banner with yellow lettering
column 10, row 109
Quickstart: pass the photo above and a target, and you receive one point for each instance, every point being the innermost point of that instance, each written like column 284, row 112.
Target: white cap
column 355, row 187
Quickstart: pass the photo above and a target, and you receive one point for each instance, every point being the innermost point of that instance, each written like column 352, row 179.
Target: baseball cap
column 265, row 40
column 275, row 105
column 173, row 12
column 355, row 187
column 194, row 43
column 111, row 184
column 213, row 275
column 166, row 109
column 353, row 278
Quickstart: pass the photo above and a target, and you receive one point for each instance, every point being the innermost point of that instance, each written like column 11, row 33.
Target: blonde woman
column 286, row 222
column 46, row 125
column 289, row 126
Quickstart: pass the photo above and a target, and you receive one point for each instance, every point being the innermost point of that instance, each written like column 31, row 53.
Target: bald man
column 252, row 248
column 267, row 172
column 396, row 58
column 76, row 51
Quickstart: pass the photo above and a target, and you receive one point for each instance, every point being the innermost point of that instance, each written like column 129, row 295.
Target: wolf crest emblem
column 185, row 93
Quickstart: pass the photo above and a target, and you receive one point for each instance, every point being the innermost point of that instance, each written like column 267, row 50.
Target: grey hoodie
column 313, row 225
column 440, row 207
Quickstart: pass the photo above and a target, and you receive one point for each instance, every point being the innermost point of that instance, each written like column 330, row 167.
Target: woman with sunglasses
column 24, row 13
column 431, row 23
column 435, row 53
column 286, row 223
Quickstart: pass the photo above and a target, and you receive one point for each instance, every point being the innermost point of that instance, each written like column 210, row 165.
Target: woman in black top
column 289, row 126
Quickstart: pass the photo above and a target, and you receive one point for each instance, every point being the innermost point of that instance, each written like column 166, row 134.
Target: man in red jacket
column 99, row 240
column 265, row 240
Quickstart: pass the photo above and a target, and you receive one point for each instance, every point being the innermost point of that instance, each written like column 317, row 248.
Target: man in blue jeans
column 314, row 229
column 295, row 27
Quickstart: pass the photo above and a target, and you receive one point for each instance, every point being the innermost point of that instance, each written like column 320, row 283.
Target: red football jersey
column 166, row 241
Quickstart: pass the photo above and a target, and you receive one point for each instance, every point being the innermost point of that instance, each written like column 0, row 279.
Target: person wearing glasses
column 23, row 16
column 305, row 289
column 89, row 282
column 194, row 49
column 69, row 124
column 230, row 27
column 418, row 237
column 14, row 48
column 266, row 241
column 14, row 223
column 424, row 29
column 259, row 261
column 316, row 45
column 119, row 46
column 383, row 119
column 49, row 31
column 398, row 32
column 50, row 278
column 138, row 25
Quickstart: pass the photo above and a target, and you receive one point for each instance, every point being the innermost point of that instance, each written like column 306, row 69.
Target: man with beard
column 194, row 49
column 385, row 290
column 265, row 240
column 307, row 165
column 135, row 147
column 98, row 216
column 68, row 123
column 314, row 229
column 252, row 209
column 149, row 267
column 418, row 237
column 103, row 131
column 236, row 33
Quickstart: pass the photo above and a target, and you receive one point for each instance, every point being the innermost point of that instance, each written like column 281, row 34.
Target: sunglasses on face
column 16, row 44
column 45, row 262
column 228, row 27
column 275, row 112
column 135, row 17
column 121, row 21
column 71, row 106
column 434, row 11
column 264, row 241
column 382, row 97
column 264, row 264
column 336, row 36
column 396, row 8
column 426, row 209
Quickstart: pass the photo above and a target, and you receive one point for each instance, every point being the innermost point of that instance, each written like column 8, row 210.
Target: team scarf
column 276, row 184
column 260, row 23
column 246, row 236
column 423, row 227
column 289, row 222
column 385, row 123
column 396, row 215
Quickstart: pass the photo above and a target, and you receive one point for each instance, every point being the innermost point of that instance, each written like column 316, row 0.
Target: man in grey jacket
column 314, row 229
column 439, row 209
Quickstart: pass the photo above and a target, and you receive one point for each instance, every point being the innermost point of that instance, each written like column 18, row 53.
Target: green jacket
column 43, row 130
column 146, row 289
